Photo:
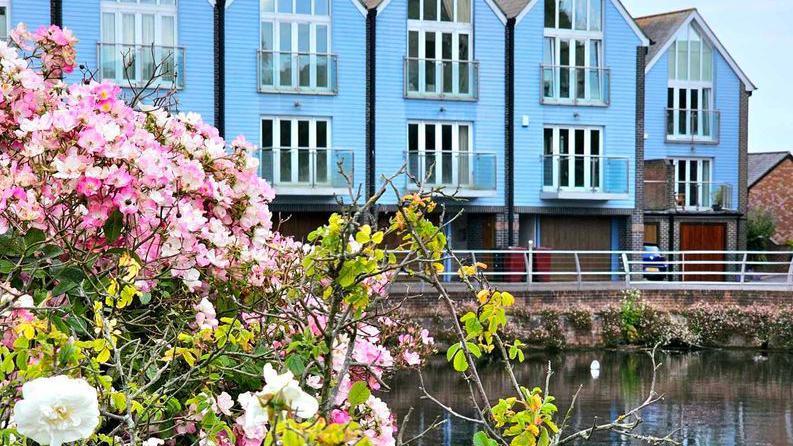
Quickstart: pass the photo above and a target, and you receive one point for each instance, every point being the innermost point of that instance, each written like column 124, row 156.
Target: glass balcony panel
column 585, row 174
column 297, row 72
column 575, row 85
column 692, row 125
column 307, row 168
column 466, row 171
column 440, row 78
column 139, row 64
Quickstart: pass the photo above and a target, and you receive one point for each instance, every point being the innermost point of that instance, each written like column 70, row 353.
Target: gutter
column 371, row 59
column 219, row 24
column 56, row 12
column 509, row 117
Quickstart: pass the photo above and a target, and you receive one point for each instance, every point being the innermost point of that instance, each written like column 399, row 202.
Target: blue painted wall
column 394, row 111
column 617, row 120
column 245, row 106
column 34, row 13
column 724, row 155
column 195, row 34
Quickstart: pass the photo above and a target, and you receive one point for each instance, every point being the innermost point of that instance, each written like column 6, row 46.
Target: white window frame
column 557, row 158
column 572, row 70
column 704, row 172
column 119, row 9
column 458, row 157
column 439, row 27
column 705, row 112
column 7, row 5
column 295, row 150
column 294, row 20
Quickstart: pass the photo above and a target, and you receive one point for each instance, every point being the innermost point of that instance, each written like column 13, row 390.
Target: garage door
column 703, row 237
column 577, row 234
column 299, row 224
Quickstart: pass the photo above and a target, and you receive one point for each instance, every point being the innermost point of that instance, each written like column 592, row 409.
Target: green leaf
column 460, row 363
column 67, row 353
column 6, row 266
column 33, row 237
column 295, row 364
column 474, row 349
column 545, row 439
column 481, row 439
column 452, row 351
column 113, row 226
column 63, row 287
column 359, row 393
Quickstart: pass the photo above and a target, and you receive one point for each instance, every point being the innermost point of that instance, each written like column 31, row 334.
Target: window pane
column 670, row 56
column 578, row 162
column 322, row 134
column 320, row 7
column 285, row 57
column 548, row 160
column 595, row 15
column 267, row 133
column 429, row 152
column 682, row 60
column 564, row 160
column 464, row 11
column 322, row 39
column 595, row 75
column 463, row 47
column 128, row 29
column 303, row 133
column 108, row 27
column 285, row 133
column 580, row 14
column 566, row 14
column 414, row 9
column 268, row 5
column 580, row 75
column 695, row 60
column 267, row 36
column 564, row 72
column 304, row 59
column 285, row 6
column 429, row 65
column 446, row 54
column 430, row 10
column 707, row 62
column 304, row 6
column 413, row 137
column 168, row 24
column 550, row 13
column 447, row 10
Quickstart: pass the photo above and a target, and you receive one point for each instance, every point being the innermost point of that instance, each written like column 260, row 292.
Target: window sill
column 689, row 141
column 442, row 97
column 308, row 190
column 298, row 91
column 583, row 195
column 573, row 103
column 458, row 191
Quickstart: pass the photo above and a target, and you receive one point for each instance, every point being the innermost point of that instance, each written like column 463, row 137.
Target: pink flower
column 338, row 416
column 88, row 186
column 411, row 358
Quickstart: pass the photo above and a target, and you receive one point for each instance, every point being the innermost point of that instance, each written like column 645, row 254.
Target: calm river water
column 715, row 397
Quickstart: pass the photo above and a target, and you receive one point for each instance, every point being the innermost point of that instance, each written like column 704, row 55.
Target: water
column 714, row 397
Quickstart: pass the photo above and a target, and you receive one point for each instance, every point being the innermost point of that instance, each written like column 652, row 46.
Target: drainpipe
column 509, row 116
column 219, row 20
column 371, row 40
column 56, row 12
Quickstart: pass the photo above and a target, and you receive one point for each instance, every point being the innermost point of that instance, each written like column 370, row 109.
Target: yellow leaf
column 28, row 331
column 483, row 296
column 507, row 299
column 103, row 356
column 112, row 288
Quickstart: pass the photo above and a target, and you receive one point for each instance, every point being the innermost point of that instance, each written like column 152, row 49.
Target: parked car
column 654, row 264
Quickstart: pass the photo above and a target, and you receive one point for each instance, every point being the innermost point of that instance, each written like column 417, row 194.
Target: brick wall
column 773, row 194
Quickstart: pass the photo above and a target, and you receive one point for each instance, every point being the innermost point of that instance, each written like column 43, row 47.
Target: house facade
column 770, row 177
column 536, row 117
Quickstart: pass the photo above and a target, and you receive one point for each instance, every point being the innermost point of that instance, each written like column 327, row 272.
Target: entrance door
column 703, row 237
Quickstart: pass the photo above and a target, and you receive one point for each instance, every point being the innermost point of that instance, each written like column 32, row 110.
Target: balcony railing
column 570, row 85
column 585, row 177
column 296, row 72
column 296, row 171
column 468, row 173
column 140, row 64
column 687, row 125
column 441, row 79
column 687, row 195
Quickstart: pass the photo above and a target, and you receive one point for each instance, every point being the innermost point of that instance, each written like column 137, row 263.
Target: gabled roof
column 662, row 28
column 500, row 7
column 760, row 164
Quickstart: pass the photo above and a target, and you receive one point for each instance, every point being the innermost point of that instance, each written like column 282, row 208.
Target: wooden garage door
column 577, row 234
column 299, row 224
column 703, row 237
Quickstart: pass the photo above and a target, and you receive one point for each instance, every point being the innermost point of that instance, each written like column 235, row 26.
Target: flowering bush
column 140, row 275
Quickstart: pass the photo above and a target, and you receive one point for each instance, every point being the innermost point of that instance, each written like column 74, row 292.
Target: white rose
column 57, row 410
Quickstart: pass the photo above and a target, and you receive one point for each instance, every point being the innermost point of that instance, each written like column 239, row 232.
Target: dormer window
column 691, row 115
column 573, row 69
column 439, row 62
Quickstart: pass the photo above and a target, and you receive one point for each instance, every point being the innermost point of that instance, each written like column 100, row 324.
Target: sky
column 759, row 36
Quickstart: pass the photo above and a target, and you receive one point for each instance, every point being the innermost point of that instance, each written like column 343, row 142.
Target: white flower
column 153, row 441
column 285, row 388
column 254, row 415
column 57, row 410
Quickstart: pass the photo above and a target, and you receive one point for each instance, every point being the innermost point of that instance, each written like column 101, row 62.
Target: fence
column 537, row 266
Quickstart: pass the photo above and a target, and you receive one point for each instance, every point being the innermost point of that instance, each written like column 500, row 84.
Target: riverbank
column 634, row 321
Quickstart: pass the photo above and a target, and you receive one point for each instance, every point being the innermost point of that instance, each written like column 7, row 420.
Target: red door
column 703, row 237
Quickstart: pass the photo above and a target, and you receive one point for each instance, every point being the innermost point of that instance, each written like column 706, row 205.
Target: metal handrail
column 136, row 64
column 701, row 125
column 599, row 173
column 310, row 167
column 468, row 170
column 415, row 69
column 269, row 76
column 743, row 268
column 550, row 85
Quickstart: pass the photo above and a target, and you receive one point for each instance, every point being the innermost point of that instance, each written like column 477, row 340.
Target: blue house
column 440, row 97
column 696, row 115
column 34, row 13
column 576, row 117
column 296, row 87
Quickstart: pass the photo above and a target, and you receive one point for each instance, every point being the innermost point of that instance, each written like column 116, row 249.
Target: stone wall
column 773, row 193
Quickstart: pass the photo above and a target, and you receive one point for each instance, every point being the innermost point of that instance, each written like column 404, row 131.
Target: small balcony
column 570, row 85
column 297, row 73
column 308, row 171
column 465, row 174
column 585, row 177
column 149, row 66
column 692, row 126
column 690, row 196
column 441, row 79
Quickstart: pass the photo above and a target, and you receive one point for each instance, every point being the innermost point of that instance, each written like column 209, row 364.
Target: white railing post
column 627, row 268
column 577, row 268
column 743, row 267
column 790, row 272
column 531, row 261
column 683, row 266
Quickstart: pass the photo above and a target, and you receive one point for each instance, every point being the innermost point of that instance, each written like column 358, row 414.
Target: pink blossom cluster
column 57, row 47
column 71, row 158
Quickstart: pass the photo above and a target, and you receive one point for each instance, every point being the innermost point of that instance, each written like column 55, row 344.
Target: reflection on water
column 714, row 397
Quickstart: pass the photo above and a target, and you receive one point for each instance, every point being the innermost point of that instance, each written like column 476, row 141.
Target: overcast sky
column 759, row 36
